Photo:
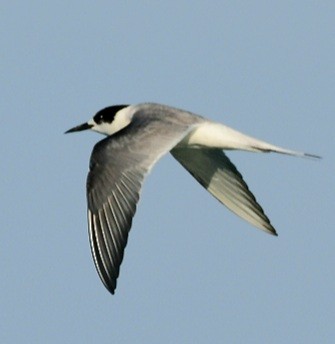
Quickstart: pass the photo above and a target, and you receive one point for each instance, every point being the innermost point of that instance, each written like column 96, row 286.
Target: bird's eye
column 98, row 118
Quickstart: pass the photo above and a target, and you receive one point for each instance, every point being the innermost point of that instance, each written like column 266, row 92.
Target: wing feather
column 217, row 174
column 118, row 167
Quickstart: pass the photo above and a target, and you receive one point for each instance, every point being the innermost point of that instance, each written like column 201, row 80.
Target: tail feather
column 216, row 135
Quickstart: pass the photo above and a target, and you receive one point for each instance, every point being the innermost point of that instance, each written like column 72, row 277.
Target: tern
column 137, row 137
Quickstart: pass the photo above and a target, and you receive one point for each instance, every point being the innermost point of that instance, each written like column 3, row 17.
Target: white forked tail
column 215, row 135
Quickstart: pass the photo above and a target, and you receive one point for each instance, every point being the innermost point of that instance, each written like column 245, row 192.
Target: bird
column 137, row 137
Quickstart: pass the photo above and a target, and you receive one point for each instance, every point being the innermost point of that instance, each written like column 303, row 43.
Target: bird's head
column 107, row 121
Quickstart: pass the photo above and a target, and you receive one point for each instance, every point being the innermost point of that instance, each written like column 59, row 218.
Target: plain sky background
column 193, row 272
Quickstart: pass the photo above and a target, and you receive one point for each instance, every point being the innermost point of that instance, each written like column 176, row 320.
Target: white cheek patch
column 121, row 120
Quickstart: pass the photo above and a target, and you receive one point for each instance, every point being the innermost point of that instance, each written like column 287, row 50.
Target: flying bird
column 137, row 137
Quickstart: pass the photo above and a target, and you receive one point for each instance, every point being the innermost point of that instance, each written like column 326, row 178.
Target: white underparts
column 215, row 135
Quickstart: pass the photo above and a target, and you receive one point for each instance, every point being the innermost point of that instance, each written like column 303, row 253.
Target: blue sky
column 193, row 272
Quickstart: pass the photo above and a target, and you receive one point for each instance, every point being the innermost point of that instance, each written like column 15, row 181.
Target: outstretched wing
column 118, row 167
column 215, row 172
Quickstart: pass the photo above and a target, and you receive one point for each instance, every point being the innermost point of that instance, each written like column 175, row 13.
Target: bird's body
column 137, row 137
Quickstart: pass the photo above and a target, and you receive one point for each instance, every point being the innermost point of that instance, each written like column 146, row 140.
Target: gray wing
column 118, row 167
column 215, row 172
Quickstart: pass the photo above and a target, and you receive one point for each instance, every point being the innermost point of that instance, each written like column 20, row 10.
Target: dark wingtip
column 272, row 231
column 112, row 291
